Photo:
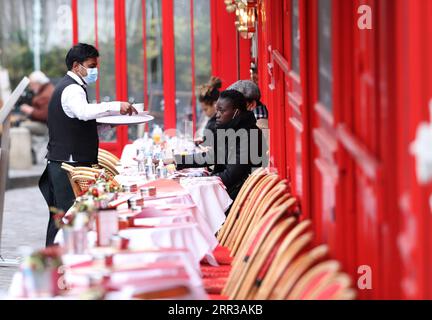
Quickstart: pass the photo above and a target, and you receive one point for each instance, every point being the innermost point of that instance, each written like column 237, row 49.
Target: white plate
column 141, row 117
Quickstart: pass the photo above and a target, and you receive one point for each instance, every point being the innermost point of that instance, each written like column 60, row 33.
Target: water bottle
column 150, row 169
column 161, row 170
column 141, row 160
column 157, row 152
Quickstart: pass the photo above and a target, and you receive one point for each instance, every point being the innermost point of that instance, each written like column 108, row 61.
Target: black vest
column 70, row 136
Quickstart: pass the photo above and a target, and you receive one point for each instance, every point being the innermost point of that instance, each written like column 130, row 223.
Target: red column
column 121, row 64
column 74, row 5
column 144, row 35
column 225, row 53
column 168, row 56
column 245, row 57
column 96, row 45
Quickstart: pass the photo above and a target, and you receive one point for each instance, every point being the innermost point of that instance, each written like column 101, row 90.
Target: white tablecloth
column 179, row 235
column 207, row 193
column 211, row 199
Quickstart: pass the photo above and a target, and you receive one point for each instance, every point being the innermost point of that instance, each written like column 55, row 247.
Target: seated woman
column 208, row 96
column 238, row 145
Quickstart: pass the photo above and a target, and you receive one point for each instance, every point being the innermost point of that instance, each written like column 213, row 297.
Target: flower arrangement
column 103, row 186
column 41, row 260
column 78, row 216
column 41, row 272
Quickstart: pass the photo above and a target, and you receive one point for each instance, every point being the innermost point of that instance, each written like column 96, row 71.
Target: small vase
column 41, row 283
column 75, row 241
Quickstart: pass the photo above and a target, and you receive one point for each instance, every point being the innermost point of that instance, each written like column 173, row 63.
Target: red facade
column 345, row 104
column 347, row 126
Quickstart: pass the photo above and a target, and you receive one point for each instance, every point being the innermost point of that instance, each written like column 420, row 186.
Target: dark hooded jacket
column 238, row 149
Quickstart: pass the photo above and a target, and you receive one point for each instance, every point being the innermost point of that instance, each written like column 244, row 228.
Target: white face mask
column 92, row 74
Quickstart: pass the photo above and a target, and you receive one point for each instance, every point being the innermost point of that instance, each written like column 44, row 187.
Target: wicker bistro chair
column 238, row 204
column 109, row 156
column 292, row 241
column 335, row 287
column 70, row 172
column 252, row 246
column 108, row 162
column 270, row 252
column 286, row 270
column 296, row 240
column 267, row 221
column 248, row 211
column 266, row 200
column 265, row 258
column 316, row 279
column 81, row 177
column 83, row 182
column 277, row 261
column 108, row 165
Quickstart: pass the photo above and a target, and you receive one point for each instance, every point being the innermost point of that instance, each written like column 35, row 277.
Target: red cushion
column 217, row 297
column 214, row 285
column 222, row 255
column 215, row 272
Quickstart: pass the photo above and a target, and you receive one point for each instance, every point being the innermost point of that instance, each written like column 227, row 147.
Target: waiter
column 73, row 133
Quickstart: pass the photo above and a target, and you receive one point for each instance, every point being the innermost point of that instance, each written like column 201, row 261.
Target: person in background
column 38, row 110
column 73, row 130
column 253, row 99
column 239, row 144
column 208, row 96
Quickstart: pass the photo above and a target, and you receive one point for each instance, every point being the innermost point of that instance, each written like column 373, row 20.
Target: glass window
column 202, row 45
column 35, row 34
column 135, row 58
column 202, row 38
column 16, row 39
column 86, row 21
column 182, row 34
column 154, row 60
column 325, row 66
column 106, row 42
column 86, row 32
column 56, row 37
column 106, row 45
column 295, row 41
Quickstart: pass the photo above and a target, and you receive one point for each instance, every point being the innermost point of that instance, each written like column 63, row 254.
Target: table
column 174, row 232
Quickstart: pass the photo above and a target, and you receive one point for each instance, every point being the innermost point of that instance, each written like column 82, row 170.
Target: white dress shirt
column 75, row 104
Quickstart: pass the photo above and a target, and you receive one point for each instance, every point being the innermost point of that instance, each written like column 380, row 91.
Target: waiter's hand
column 127, row 108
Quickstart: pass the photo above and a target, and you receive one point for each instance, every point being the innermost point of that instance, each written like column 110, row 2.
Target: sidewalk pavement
column 24, row 224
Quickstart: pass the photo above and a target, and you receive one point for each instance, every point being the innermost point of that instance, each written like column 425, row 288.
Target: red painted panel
column 245, row 58
column 414, row 94
column 74, row 6
column 168, row 45
column 121, row 65
column 145, row 66
column 224, row 46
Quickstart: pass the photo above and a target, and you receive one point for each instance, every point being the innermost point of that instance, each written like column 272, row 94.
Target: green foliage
column 53, row 62
column 17, row 58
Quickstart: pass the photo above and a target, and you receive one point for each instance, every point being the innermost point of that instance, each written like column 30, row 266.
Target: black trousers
column 57, row 191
